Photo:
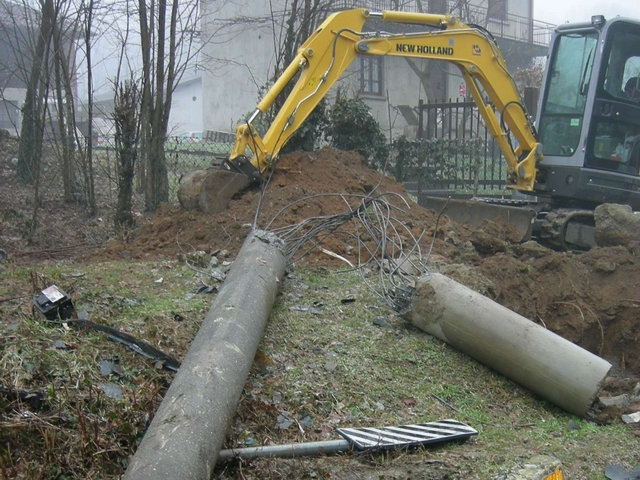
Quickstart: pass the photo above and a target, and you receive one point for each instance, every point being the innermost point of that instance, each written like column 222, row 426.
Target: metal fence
column 479, row 169
column 182, row 155
column 506, row 25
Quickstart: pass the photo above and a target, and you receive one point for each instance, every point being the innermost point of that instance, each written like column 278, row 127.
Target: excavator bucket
column 210, row 191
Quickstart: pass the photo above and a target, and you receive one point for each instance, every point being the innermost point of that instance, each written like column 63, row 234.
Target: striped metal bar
column 407, row 435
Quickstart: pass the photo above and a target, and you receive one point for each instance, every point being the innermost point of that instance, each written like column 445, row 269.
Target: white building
column 186, row 110
column 10, row 105
column 240, row 56
column 186, row 107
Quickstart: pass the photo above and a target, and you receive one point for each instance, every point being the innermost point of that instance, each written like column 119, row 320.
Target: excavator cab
column 589, row 117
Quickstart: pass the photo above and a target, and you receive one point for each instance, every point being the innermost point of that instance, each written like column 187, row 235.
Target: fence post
column 420, row 121
column 476, row 175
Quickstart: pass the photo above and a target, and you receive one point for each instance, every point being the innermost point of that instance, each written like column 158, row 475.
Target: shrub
column 348, row 126
column 353, row 128
column 309, row 136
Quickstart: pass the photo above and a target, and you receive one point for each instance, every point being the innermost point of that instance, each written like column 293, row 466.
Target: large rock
column 617, row 225
column 210, row 190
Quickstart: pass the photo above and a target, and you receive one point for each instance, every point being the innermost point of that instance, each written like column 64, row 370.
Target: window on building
column 497, row 10
column 370, row 75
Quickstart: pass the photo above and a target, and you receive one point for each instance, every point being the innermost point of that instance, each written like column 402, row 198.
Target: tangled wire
column 385, row 245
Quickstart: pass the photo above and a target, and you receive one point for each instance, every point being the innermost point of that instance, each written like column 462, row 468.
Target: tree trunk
column 425, row 80
column 71, row 143
column 156, row 105
column 66, row 140
column 146, row 109
column 39, row 111
column 126, row 161
column 157, row 174
column 126, row 119
column 90, row 194
column 32, row 128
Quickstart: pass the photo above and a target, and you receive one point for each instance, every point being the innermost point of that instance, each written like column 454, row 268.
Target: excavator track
column 562, row 229
column 566, row 229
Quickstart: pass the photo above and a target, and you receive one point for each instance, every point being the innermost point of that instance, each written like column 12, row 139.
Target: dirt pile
column 330, row 182
column 590, row 299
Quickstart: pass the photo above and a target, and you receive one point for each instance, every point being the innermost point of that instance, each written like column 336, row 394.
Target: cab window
column 566, row 96
column 622, row 75
column 614, row 136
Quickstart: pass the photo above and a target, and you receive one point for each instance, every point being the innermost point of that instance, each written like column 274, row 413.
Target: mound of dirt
column 590, row 299
column 330, row 182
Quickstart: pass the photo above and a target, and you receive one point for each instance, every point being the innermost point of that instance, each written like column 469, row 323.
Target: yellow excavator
column 588, row 119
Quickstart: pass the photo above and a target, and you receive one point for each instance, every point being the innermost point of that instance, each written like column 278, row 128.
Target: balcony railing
column 511, row 27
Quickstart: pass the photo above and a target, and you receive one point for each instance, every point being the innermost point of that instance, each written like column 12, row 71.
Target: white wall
column 13, row 98
column 186, row 108
column 399, row 82
column 522, row 8
column 241, row 61
column 237, row 61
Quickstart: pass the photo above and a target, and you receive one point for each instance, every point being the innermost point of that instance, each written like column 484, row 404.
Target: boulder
column 617, row 225
column 210, row 191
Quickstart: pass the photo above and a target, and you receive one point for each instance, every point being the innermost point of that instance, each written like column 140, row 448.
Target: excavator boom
column 324, row 57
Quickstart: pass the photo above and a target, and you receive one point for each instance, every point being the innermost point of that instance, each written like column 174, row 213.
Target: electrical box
column 54, row 304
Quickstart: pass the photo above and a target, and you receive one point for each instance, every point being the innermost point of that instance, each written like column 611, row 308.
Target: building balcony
column 509, row 27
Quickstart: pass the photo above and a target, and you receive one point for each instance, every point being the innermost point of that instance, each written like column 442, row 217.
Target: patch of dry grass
column 76, row 430
column 325, row 363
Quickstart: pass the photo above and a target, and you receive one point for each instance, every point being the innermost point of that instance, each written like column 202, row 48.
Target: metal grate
column 407, row 435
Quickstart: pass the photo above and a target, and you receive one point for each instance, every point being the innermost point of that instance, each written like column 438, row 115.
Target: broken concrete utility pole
column 188, row 430
column 523, row 351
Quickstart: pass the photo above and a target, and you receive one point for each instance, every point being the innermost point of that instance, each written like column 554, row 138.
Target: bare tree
column 38, row 58
column 531, row 76
column 33, row 110
column 88, row 11
column 65, row 34
column 167, row 35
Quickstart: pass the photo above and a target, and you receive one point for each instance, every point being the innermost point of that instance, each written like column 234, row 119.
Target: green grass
column 79, row 432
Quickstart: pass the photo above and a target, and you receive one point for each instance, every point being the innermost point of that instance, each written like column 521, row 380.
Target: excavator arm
column 324, row 57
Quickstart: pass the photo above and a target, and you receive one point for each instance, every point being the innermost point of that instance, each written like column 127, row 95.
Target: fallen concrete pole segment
column 523, row 351
column 188, row 430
